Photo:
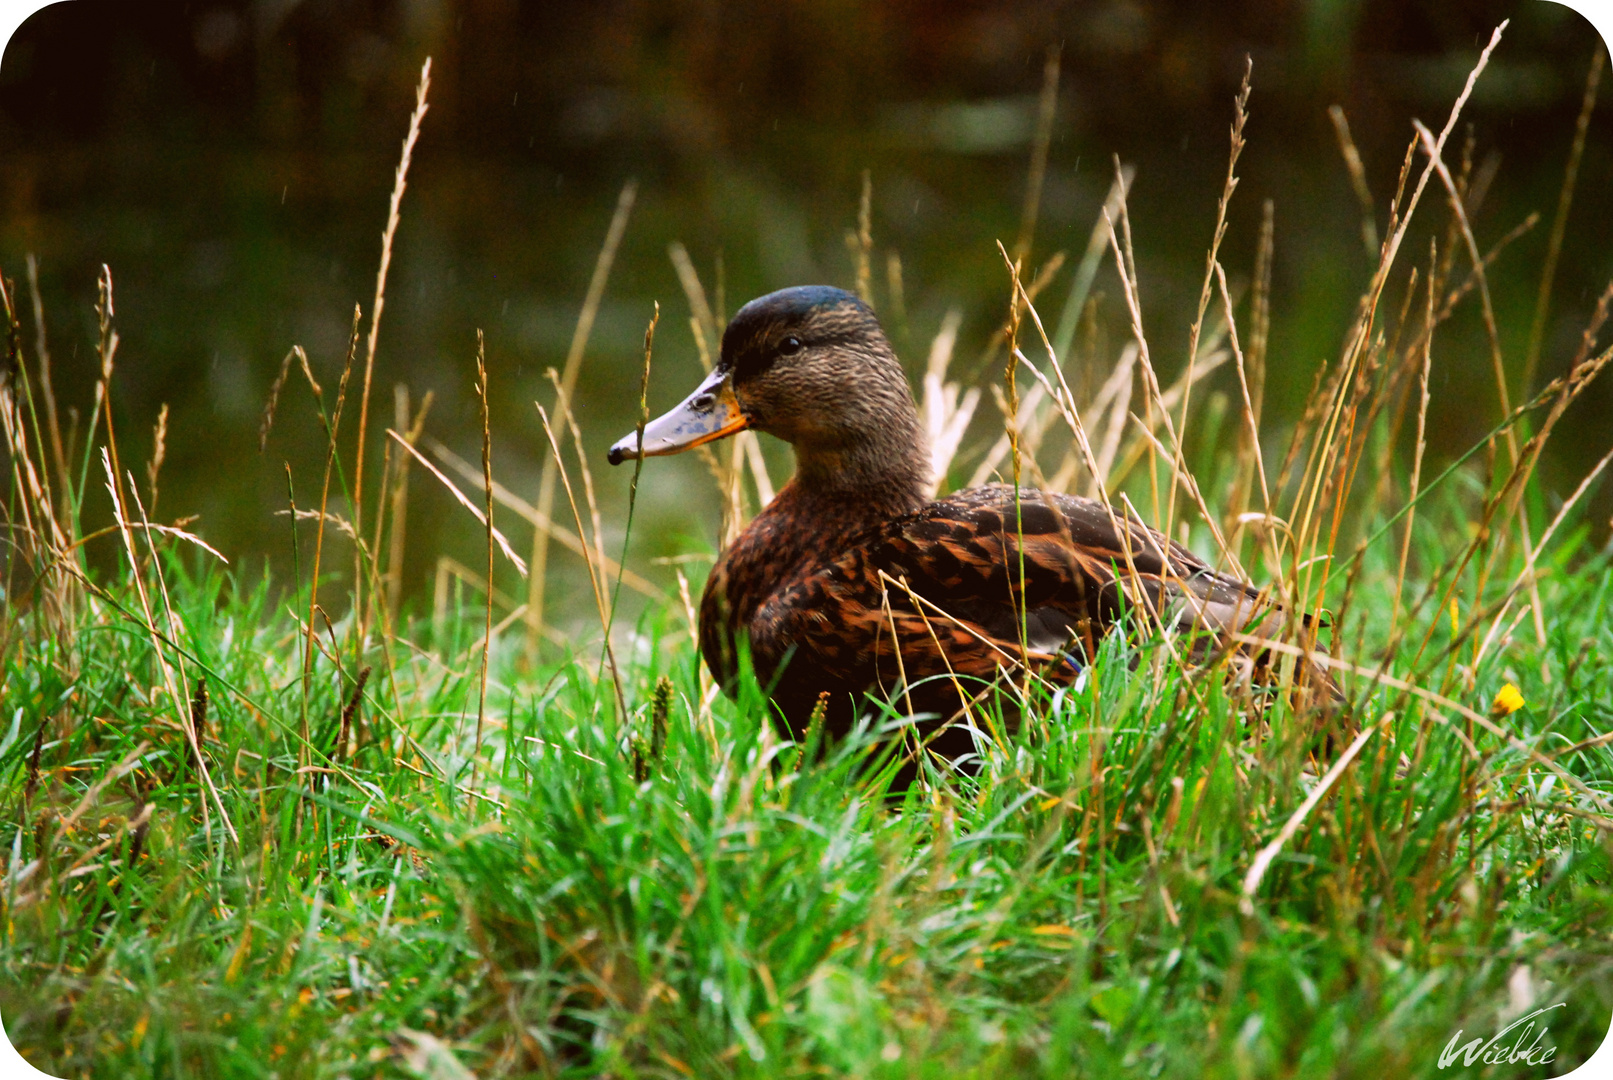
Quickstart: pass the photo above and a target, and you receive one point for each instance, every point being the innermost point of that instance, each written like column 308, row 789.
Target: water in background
column 231, row 162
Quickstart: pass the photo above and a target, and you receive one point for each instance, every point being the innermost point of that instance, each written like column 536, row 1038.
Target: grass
column 246, row 837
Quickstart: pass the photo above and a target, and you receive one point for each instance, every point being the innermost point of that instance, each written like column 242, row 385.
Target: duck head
column 809, row 365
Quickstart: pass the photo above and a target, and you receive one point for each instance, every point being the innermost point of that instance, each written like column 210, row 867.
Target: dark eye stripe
column 761, row 355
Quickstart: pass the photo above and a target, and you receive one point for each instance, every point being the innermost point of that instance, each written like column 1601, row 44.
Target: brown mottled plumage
column 819, row 582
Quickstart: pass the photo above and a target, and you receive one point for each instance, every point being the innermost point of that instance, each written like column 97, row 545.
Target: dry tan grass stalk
column 1013, row 421
column 439, row 602
column 1047, row 107
column 733, row 516
column 1476, row 718
column 175, row 627
column 178, row 700
column 861, row 242
column 516, row 613
column 1494, row 335
column 487, row 475
column 1397, row 384
column 450, row 567
column 1030, row 421
column 1240, row 117
column 1417, row 458
column 1315, row 403
column 896, row 647
column 1115, row 395
column 39, row 538
column 46, row 538
column 1153, row 396
column 308, row 372
column 1252, row 375
column 498, row 537
column 897, row 295
column 159, row 451
column 1252, row 424
column 1043, row 278
column 1262, row 860
column 638, row 464
column 17, row 901
column 1125, row 264
column 1073, row 418
column 47, row 390
column 1358, row 179
column 1319, row 473
column 707, row 684
column 719, row 295
column 331, row 430
column 343, row 525
column 537, row 582
column 399, row 183
column 1368, row 391
column 966, row 710
column 39, row 551
column 1400, row 187
column 1563, row 391
column 707, row 334
column 1185, row 476
column 1087, row 270
column 106, row 348
column 563, row 405
column 1459, row 212
column 758, row 468
column 1065, row 401
column 1138, row 598
column 529, row 513
column 1593, row 329
column 166, row 530
column 688, row 606
column 944, row 413
column 267, row 423
column 1453, row 227
column 1559, row 224
column 1528, row 572
column 176, row 533
column 400, row 498
column 378, row 591
column 394, row 478
column 1008, row 659
column 702, row 350
column 588, row 558
column 1260, row 313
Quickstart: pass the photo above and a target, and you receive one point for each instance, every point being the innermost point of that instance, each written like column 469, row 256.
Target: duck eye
column 789, row 346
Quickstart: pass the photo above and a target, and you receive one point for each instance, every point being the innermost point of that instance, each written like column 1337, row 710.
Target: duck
column 853, row 581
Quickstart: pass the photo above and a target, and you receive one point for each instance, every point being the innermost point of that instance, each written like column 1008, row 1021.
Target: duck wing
column 940, row 592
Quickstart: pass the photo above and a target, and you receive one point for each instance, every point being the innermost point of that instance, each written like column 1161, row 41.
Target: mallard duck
column 853, row 580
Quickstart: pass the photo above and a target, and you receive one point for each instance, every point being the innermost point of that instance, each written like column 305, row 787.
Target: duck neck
column 873, row 472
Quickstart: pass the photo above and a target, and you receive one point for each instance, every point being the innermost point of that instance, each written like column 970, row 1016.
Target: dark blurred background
column 231, row 161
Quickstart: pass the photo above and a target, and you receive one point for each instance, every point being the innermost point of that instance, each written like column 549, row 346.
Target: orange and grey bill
column 711, row 412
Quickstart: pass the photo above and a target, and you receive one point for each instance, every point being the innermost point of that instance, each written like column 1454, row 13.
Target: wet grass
column 728, row 908
column 307, row 827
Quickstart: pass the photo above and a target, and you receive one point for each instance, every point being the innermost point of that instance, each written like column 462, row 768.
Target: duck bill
column 711, row 412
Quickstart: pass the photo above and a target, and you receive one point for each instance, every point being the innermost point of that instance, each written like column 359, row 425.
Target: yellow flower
column 1507, row 701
